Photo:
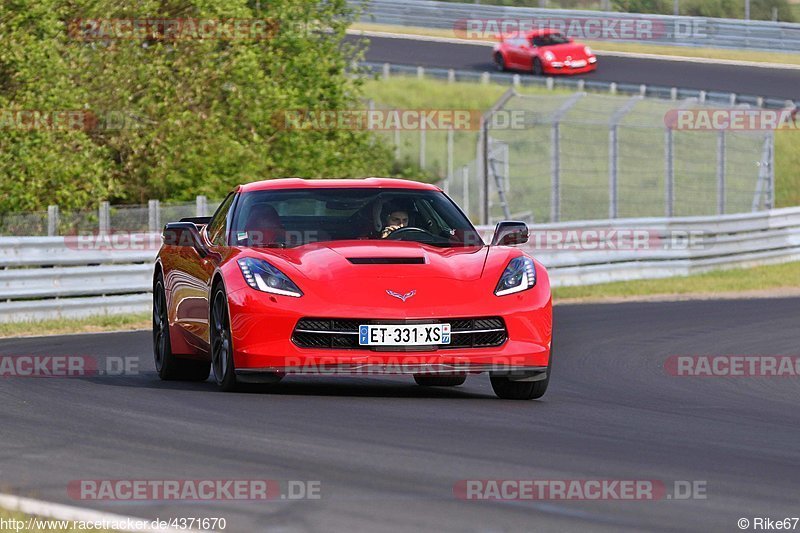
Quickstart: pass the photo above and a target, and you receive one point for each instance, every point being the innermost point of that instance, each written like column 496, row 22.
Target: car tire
column 439, row 381
column 169, row 367
column 222, row 365
column 499, row 62
column 538, row 69
column 508, row 389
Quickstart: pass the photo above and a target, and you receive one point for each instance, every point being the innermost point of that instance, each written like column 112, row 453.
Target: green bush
column 197, row 116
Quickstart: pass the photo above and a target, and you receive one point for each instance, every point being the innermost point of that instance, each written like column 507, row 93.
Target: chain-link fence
column 105, row 218
column 587, row 156
column 578, row 156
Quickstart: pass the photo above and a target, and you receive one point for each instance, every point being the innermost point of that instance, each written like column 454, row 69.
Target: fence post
column 422, row 143
column 555, row 157
column 52, row 220
column 669, row 173
column 465, row 189
column 613, row 155
column 201, row 206
column 153, row 216
column 721, row 172
column 771, row 181
column 104, row 216
column 555, row 173
column 450, row 142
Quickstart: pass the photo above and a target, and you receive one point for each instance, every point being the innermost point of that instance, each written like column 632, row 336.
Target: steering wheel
column 408, row 230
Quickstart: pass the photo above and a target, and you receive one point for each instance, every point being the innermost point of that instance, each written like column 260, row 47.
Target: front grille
column 483, row 332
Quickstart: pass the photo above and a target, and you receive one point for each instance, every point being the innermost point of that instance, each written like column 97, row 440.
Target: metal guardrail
column 665, row 29
column 62, row 281
column 387, row 70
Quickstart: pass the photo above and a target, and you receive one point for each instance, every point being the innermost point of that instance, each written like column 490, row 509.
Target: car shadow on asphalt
column 342, row 386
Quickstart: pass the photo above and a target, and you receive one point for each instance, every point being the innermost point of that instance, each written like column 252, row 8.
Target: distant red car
column 543, row 52
column 372, row 276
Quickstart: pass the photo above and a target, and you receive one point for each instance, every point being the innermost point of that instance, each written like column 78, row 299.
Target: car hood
column 335, row 262
column 566, row 51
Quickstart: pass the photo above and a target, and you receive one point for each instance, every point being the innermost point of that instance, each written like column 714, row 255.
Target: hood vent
column 387, row 260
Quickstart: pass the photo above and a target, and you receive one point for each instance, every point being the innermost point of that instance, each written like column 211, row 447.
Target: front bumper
column 262, row 329
column 558, row 67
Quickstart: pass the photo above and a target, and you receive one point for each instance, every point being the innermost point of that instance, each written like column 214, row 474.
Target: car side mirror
column 184, row 234
column 510, row 232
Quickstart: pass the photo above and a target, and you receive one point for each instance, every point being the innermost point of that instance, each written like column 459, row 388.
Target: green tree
column 197, row 116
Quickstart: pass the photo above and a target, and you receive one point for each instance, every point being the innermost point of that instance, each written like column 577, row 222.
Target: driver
column 395, row 217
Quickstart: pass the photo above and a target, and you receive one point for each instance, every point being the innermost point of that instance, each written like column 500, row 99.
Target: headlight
column 519, row 275
column 549, row 56
column 262, row 276
column 587, row 50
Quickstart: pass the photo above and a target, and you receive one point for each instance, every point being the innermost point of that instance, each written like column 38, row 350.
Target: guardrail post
column 387, row 71
column 550, row 83
column 702, row 97
column 201, row 206
column 673, row 93
column 484, row 78
column 612, row 87
column 733, row 98
column 451, row 75
column 721, row 172
column 420, row 73
column 515, row 80
column 669, row 173
column 643, row 89
column 52, row 220
column 581, row 84
column 760, row 101
column 104, row 217
column 154, row 216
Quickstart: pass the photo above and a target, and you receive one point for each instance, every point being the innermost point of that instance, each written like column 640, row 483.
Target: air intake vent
column 387, row 260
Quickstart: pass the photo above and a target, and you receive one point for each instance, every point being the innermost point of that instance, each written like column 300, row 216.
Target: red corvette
column 543, row 52
column 372, row 276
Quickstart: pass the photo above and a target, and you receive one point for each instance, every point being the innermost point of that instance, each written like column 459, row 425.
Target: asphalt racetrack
column 388, row 453
column 755, row 81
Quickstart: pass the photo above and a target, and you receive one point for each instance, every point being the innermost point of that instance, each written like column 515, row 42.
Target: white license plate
column 403, row 335
column 579, row 64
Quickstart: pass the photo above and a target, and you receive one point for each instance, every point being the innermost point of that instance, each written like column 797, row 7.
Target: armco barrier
column 49, row 277
column 669, row 30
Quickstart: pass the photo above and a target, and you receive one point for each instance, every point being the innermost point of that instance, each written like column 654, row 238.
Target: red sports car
column 543, row 52
column 372, row 276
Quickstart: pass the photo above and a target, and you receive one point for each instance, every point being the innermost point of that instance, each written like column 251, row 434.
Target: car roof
column 363, row 183
column 539, row 32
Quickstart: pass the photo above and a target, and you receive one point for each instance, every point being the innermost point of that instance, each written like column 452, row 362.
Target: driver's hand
column 388, row 229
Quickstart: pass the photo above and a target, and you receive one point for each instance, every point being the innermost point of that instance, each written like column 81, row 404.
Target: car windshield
column 294, row 217
column 550, row 39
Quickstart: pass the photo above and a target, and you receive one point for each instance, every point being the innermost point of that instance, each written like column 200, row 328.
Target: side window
column 217, row 228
